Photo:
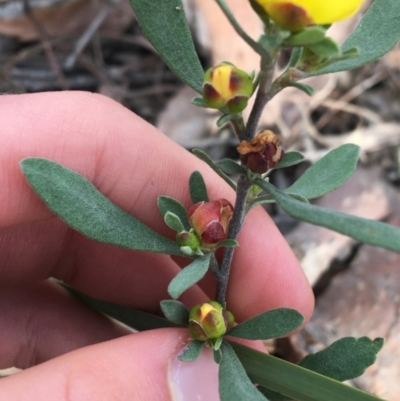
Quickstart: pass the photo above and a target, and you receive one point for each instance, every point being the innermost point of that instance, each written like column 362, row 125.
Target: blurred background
column 97, row 46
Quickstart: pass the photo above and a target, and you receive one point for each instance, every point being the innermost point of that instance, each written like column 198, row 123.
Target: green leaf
column 225, row 119
column 306, row 37
column 307, row 89
column 294, row 381
column 134, row 318
column 227, row 243
column 168, row 204
column 369, row 231
column 217, row 356
column 192, row 351
column 325, row 48
column 281, row 376
column 204, row 156
column 76, row 201
column 234, row 384
column 328, row 173
column 295, row 56
column 165, row 26
column 173, row 221
column 260, row 200
column 189, row 276
column 290, row 159
column 345, row 359
column 199, row 102
column 228, row 166
column 270, row 324
column 381, row 26
column 197, row 188
column 175, row 311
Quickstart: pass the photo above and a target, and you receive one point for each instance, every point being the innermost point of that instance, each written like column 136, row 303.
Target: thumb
column 142, row 366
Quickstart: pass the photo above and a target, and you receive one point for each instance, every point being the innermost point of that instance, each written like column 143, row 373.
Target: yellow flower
column 295, row 15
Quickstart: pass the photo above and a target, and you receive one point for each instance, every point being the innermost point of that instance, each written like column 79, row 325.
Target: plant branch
column 264, row 95
column 239, row 30
column 234, row 229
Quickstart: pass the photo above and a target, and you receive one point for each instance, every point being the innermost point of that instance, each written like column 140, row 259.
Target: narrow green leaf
column 273, row 395
column 175, row 311
column 269, row 199
column 134, row 318
column 270, row 324
column 228, row 166
column 369, row 231
column 234, row 384
column 192, row 351
column 189, row 276
column 227, row 243
column 76, row 201
column 381, row 26
column 294, row 381
column 204, row 156
column 225, row 119
column 197, row 188
column 345, row 359
column 290, row 159
column 164, row 24
column 199, row 102
column 328, row 173
column 173, row 221
column 217, row 355
column 309, row 90
column 168, row 204
column 295, row 56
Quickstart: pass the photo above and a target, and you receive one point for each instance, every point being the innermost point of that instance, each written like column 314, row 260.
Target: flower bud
column 209, row 321
column 227, row 88
column 262, row 153
column 210, row 221
column 295, row 15
column 188, row 238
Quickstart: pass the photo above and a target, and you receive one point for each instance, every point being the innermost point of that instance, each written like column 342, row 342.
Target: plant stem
column 239, row 30
column 235, row 226
column 263, row 96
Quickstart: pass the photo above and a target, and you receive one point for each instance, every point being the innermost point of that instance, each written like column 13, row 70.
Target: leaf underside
column 271, row 324
column 165, row 26
column 77, row 201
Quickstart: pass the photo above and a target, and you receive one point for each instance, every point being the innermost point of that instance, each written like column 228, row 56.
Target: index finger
column 118, row 151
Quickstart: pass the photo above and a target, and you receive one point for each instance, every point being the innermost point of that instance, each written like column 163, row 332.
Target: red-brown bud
column 210, row 221
column 262, row 153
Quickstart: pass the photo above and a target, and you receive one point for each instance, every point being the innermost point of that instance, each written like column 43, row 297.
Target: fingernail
column 194, row 381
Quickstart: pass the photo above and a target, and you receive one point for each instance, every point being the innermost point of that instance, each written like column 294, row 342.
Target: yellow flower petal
column 221, row 79
column 319, row 11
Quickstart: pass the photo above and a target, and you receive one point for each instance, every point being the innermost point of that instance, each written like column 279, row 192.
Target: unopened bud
column 209, row 321
column 210, row 221
column 188, row 238
column 227, row 88
column 262, row 153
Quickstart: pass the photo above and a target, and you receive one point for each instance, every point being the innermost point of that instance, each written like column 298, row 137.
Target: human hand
column 132, row 163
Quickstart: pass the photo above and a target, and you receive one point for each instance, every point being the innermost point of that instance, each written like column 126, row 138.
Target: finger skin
column 41, row 320
column 134, row 367
column 132, row 163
